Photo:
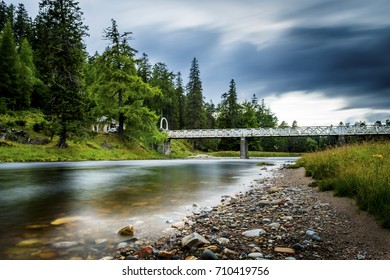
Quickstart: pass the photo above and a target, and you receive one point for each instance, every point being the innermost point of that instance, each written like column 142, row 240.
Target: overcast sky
column 315, row 61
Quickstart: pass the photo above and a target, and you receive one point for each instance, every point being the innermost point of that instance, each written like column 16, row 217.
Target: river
column 98, row 198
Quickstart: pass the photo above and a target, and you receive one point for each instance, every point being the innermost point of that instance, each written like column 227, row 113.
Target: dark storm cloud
column 340, row 61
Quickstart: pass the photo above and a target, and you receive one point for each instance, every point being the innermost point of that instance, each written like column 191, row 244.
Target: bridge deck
column 280, row 132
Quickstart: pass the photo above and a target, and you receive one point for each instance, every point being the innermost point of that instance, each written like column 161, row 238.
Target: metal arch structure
column 280, row 132
column 245, row 133
column 164, row 124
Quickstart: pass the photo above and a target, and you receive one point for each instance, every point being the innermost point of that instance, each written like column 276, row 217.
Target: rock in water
column 127, row 230
column 65, row 220
column 65, row 244
column 193, row 240
column 29, row 242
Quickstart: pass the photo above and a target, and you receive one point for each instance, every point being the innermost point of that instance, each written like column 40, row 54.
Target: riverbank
column 279, row 218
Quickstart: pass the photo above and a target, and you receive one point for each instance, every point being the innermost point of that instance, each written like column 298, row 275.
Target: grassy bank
column 101, row 147
column 358, row 171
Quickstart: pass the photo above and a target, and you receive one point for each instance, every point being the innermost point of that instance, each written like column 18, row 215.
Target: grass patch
column 100, row 147
column 358, row 171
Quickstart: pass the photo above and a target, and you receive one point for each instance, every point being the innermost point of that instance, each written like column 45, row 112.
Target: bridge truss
column 280, row 132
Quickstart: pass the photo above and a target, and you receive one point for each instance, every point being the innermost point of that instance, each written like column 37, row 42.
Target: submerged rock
column 65, row 244
column 66, row 220
column 29, row 243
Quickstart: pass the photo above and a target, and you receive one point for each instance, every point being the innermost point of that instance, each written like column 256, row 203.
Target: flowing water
column 99, row 198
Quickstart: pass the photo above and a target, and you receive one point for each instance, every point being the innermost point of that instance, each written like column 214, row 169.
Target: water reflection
column 106, row 196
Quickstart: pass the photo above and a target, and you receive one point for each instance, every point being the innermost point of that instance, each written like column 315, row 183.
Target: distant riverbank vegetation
column 359, row 171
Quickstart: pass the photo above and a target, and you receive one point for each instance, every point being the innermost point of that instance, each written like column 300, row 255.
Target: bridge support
column 167, row 149
column 244, row 148
column 341, row 140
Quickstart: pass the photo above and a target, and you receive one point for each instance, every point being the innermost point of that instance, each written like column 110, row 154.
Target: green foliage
column 60, row 56
column 3, row 14
column 8, row 67
column 166, row 104
column 358, row 171
column 229, row 109
column 195, row 116
column 118, row 91
column 22, row 24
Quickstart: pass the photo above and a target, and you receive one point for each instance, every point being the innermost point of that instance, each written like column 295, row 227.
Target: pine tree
column 60, row 55
column 27, row 74
column 144, row 68
column 118, row 90
column 229, row 109
column 195, row 112
column 167, row 105
column 3, row 14
column 8, row 68
column 182, row 99
column 265, row 116
column 22, row 24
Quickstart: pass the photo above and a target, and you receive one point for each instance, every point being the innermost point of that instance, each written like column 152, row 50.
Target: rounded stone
column 209, row 255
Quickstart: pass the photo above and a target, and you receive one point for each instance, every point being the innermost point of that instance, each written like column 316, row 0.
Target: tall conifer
column 60, row 56
column 8, row 68
column 195, row 110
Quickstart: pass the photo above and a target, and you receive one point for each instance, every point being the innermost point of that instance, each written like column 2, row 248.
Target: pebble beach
column 278, row 218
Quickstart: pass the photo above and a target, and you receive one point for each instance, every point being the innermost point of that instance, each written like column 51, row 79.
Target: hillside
column 25, row 137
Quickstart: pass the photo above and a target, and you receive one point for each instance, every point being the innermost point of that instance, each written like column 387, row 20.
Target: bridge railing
column 279, row 132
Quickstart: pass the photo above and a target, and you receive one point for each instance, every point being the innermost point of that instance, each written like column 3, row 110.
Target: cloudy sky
column 315, row 61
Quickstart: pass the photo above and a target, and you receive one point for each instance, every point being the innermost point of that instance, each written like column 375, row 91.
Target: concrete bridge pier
column 341, row 140
column 167, row 149
column 244, row 148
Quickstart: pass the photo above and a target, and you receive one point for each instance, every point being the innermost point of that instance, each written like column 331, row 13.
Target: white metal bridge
column 279, row 132
column 340, row 131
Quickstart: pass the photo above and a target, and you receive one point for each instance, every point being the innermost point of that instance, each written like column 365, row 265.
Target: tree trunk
column 62, row 141
column 121, row 124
